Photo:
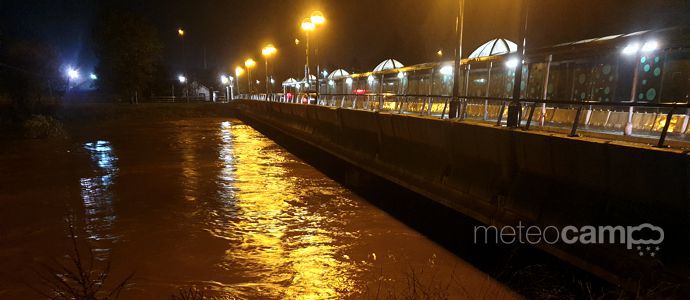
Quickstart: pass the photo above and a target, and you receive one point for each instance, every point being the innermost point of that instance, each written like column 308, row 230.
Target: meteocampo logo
column 645, row 238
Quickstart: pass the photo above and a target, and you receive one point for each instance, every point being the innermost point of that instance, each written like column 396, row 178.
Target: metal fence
column 648, row 120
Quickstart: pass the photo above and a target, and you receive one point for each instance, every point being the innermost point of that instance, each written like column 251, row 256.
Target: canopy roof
column 494, row 47
column 289, row 81
column 338, row 73
column 388, row 64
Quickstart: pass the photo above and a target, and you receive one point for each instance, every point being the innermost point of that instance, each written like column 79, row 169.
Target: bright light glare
column 180, row 32
column 650, row 46
column 325, row 73
column 348, row 80
column 258, row 82
column 224, row 79
column 268, row 50
column 93, row 76
column 331, row 82
column 446, row 70
column 182, row 79
column 238, row 71
column 512, row 63
column 401, row 75
column 72, row 73
column 272, row 81
column 631, row 49
column 317, row 18
column 249, row 63
column 307, row 25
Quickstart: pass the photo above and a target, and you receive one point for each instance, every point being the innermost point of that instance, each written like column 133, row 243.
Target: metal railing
column 611, row 118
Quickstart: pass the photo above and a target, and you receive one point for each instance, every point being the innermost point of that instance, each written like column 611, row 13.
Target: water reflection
column 272, row 235
column 190, row 172
column 96, row 192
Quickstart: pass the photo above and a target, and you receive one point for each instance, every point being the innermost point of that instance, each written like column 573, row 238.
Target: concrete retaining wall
column 501, row 176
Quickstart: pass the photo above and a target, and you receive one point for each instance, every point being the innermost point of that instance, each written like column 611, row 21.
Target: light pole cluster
column 309, row 25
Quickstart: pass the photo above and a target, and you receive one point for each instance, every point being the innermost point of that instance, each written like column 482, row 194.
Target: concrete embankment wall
column 501, row 177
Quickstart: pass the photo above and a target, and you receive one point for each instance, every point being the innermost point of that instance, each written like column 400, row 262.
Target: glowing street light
column 224, row 80
column 439, row 53
column 268, row 51
column 72, row 73
column 238, row 72
column 182, row 79
column 307, row 25
column 180, row 32
column 249, row 64
column 317, row 18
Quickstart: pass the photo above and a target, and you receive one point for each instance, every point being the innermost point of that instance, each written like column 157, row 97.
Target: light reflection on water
column 214, row 204
column 272, row 234
column 97, row 194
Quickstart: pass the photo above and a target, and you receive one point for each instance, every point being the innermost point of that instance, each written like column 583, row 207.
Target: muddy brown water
column 208, row 203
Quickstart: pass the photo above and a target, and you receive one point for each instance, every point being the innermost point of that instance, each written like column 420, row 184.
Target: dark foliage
column 129, row 53
column 29, row 77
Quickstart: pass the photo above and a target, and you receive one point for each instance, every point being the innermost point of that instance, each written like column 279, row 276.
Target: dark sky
column 358, row 33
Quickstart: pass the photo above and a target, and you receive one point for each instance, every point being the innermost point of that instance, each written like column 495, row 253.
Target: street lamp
column 317, row 19
column 72, row 75
column 182, row 79
column 307, row 26
column 238, row 72
column 227, row 82
column 249, row 64
column 267, row 52
column 180, row 32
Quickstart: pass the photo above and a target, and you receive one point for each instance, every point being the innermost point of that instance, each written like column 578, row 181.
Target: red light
column 360, row 91
column 288, row 96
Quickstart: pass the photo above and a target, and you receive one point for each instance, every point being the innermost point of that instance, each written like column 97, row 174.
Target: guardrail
column 628, row 118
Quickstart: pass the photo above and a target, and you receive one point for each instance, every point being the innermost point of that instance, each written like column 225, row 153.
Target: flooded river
column 209, row 204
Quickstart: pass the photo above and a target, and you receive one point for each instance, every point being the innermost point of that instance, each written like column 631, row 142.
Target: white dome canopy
column 494, row 47
column 388, row 64
column 311, row 78
column 338, row 73
column 289, row 81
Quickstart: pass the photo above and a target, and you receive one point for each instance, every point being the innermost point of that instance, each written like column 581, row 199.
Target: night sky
column 357, row 36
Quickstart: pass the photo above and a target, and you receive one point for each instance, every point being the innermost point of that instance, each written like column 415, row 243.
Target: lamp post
column 238, row 73
column 514, row 108
column 317, row 19
column 72, row 76
column 459, row 27
column 225, row 81
column 183, row 80
column 249, row 64
column 307, row 26
column 267, row 52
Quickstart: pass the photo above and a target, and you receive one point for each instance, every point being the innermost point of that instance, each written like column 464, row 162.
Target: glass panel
column 676, row 78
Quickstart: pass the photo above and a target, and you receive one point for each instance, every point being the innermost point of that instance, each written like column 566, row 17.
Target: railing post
column 463, row 108
column 664, row 132
column 499, row 118
column 531, row 114
column 573, row 131
column 443, row 113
